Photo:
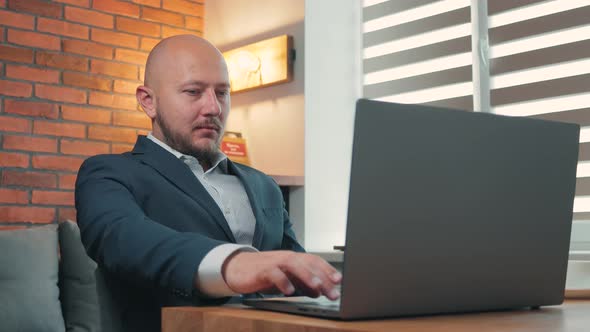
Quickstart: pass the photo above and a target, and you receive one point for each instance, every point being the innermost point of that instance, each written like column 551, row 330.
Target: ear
column 147, row 100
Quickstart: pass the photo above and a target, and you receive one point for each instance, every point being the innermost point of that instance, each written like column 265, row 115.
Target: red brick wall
column 68, row 73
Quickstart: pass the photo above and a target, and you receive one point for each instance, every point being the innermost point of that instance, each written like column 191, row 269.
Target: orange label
column 233, row 149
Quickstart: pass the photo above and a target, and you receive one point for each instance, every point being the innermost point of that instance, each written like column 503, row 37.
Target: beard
column 184, row 144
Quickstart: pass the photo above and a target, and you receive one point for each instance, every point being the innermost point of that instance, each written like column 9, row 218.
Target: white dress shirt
column 231, row 197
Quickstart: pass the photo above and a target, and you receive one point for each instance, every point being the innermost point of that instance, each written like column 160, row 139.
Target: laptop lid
column 454, row 211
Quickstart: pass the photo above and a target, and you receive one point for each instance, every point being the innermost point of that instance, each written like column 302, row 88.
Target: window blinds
column 539, row 54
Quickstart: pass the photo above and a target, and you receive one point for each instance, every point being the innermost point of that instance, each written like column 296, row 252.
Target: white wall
column 271, row 118
column 332, row 85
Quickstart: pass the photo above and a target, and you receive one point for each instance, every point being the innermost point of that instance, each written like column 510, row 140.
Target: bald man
column 175, row 222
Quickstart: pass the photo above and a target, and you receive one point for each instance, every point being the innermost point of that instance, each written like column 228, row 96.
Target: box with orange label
column 234, row 147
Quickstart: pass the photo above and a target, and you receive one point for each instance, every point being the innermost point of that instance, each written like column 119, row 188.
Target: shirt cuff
column 209, row 278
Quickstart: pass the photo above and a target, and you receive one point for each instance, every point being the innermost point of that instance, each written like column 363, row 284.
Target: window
column 539, row 65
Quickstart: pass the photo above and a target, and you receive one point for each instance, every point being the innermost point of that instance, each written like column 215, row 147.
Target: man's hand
column 248, row 272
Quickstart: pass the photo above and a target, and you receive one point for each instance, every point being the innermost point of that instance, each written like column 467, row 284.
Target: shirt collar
column 220, row 158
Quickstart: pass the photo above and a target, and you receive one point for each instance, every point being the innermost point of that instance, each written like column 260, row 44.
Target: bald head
column 169, row 53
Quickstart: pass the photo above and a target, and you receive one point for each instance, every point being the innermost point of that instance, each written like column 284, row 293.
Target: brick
column 86, row 81
column 14, row 159
column 46, row 197
column 59, row 93
column 16, row 54
column 87, row 48
column 67, row 181
column 184, row 7
column 83, row 148
column 138, row 27
column 57, row 163
column 67, row 214
column 113, row 69
column 27, row 214
column 2, row 3
column 194, row 23
column 117, row 7
column 169, row 32
column 29, row 179
column 113, row 101
column 32, row 74
column 89, row 17
column 147, row 44
column 28, row 143
column 153, row 3
column 132, row 119
column 1, row 34
column 31, row 108
column 34, row 39
column 114, row 38
column 131, row 56
column 16, row 125
column 59, row 60
column 141, row 73
column 125, row 87
column 162, row 16
column 62, row 28
column 37, row 7
column 84, row 114
column 17, row 20
column 121, row 148
column 14, row 196
column 59, row 129
column 80, row 3
column 143, row 132
column 16, row 89
column 111, row 134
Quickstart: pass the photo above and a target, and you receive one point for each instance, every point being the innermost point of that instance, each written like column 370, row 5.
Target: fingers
column 280, row 280
column 313, row 275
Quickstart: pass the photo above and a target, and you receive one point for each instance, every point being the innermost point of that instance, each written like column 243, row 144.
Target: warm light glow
column 431, row 94
column 585, row 136
column 368, row 3
column 414, row 14
column 582, row 204
column 583, row 168
column 542, row 73
column 540, row 41
column 533, row 11
column 418, row 40
column 419, row 68
column 260, row 64
column 546, row 105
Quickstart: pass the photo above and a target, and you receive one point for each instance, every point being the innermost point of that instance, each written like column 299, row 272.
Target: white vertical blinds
column 420, row 52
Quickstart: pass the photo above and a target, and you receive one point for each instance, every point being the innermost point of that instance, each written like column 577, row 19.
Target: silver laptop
column 452, row 211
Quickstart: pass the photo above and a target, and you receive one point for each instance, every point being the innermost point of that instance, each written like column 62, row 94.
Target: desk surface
column 573, row 315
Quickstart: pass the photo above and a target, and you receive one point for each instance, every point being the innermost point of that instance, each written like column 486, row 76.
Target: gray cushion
column 29, row 300
column 86, row 302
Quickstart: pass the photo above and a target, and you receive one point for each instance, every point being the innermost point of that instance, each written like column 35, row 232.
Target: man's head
column 186, row 94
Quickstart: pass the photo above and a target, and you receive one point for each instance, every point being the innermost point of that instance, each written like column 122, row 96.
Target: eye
column 192, row 92
column 222, row 93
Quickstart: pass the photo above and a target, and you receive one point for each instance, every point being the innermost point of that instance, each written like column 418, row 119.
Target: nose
column 211, row 105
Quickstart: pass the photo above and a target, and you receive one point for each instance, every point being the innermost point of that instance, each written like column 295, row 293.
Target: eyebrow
column 201, row 83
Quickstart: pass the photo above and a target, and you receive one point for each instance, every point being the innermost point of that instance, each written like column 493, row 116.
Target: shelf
column 289, row 180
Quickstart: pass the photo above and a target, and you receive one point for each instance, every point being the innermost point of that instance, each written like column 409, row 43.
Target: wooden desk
column 574, row 315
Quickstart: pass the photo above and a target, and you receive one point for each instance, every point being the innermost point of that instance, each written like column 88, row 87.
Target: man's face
column 192, row 103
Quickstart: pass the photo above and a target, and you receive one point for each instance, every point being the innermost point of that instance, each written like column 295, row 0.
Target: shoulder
column 106, row 163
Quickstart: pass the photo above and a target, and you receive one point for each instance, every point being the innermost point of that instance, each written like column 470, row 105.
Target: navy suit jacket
column 148, row 222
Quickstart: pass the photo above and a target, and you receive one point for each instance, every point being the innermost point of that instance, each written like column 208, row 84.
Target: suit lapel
column 251, row 187
column 177, row 173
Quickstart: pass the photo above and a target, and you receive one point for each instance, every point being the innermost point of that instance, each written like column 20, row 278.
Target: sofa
column 48, row 283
